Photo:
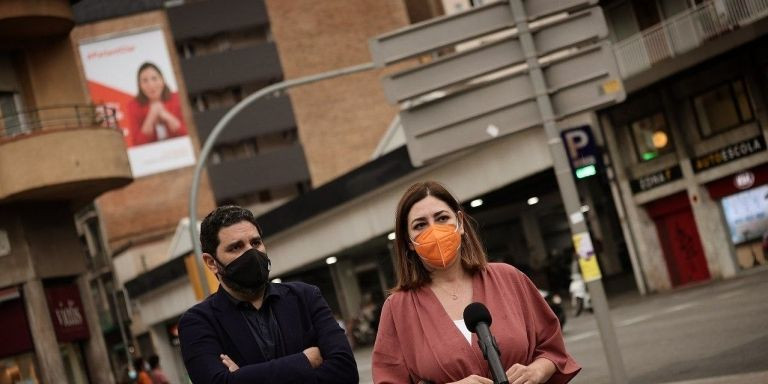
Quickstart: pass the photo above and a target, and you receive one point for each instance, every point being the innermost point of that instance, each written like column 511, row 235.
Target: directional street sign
column 461, row 119
column 449, row 103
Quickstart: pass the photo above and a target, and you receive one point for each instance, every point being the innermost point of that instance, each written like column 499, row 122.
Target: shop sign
column 653, row 180
column 744, row 180
column 67, row 312
column 729, row 153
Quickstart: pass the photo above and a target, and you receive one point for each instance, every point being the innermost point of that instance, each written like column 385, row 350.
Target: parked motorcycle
column 580, row 299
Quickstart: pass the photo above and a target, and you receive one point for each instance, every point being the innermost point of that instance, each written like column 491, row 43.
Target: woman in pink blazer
column 442, row 268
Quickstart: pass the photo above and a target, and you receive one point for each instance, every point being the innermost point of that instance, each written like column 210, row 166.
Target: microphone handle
column 491, row 353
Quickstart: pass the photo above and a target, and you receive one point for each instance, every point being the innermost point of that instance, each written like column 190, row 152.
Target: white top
column 464, row 330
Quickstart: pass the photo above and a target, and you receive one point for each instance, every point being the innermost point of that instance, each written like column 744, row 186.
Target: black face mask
column 248, row 273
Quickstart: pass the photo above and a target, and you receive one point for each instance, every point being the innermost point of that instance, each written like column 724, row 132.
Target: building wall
column 676, row 97
column 53, row 240
column 15, row 267
column 151, row 205
column 141, row 258
column 46, row 65
column 43, row 241
column 346, row 115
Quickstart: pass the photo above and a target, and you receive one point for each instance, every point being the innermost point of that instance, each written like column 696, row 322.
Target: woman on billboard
column 155, row 112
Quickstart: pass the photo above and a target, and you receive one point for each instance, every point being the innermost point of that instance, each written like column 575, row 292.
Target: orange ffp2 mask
column 438, row 245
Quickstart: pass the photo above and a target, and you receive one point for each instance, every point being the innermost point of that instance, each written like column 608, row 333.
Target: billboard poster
column 133, row 74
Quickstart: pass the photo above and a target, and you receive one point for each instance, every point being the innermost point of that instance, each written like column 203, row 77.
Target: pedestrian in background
column 155, row 372
column 142, row 376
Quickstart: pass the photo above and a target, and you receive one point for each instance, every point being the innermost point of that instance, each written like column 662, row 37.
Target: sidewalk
column 744, row 378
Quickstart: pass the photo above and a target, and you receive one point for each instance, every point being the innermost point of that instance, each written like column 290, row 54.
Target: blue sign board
column 582, row 151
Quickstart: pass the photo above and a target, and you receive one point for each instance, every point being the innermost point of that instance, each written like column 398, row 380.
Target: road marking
column 679, row 307
column 634, row 320
column 728, row 295
column 581, row 336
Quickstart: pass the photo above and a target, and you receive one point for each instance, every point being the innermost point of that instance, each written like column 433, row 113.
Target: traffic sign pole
column 570, row 196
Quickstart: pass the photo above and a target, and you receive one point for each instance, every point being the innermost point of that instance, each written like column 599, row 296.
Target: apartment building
column 688, row 145
column 58, row 152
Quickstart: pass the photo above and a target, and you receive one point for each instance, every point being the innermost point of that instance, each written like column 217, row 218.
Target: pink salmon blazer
column 417, row 340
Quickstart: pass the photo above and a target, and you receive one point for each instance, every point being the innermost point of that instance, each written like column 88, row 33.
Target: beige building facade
column 57, row 154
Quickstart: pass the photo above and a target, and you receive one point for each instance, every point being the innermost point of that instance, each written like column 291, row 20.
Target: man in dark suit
column 254, row 331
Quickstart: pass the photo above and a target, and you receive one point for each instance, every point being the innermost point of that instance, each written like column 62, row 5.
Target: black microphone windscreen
column 476, row 313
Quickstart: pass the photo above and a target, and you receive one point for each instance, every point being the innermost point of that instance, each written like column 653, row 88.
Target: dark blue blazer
column 215, row 326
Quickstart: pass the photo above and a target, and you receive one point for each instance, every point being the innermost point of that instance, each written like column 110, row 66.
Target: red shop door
column 680, row 239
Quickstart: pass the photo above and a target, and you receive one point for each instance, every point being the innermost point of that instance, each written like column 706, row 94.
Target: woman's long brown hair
column 411, row 273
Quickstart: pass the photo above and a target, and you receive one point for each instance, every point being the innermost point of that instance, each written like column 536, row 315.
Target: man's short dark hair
column 222, row 217
column 138, row 364
column 154, row 361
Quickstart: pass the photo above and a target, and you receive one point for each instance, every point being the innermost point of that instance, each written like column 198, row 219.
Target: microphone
column 478, row 320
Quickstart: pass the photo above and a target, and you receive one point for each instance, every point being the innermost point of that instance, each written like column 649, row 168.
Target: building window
column 10, row 120
column 651, row 136
column 725, row 107
column 746, row 214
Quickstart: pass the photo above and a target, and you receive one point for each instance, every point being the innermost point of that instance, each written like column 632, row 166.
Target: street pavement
column 709, row 333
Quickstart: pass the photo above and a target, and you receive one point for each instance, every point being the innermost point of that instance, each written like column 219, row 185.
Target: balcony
column 261, row 117
column 254, row 64
column 71, row 152
column 686, row 31
column 204, row 18
column 23, row 20
column 234, row 178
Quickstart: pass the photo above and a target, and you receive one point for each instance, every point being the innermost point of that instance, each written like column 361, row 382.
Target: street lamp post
column 222, row 124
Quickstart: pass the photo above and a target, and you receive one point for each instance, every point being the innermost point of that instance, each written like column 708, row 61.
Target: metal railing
column 684, row 32
column 57, row 117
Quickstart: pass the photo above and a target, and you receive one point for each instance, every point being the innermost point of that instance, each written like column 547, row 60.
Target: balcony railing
column 684, row 32
column 57, row 117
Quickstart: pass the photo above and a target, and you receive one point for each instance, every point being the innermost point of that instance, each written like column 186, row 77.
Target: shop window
column 746, row 214
column 74, row 367
column 19, row 369
column 725, row 107
column 10, row 120
column 651, row 136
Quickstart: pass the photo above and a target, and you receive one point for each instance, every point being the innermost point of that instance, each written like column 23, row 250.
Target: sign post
column 571, row 200
column 551, row 62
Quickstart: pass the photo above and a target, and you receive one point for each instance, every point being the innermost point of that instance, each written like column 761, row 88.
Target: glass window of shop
column 651, row 136
column 746, row 214
column 72, row 357
column 17, row 359
column 722, row 108
column 19, row 369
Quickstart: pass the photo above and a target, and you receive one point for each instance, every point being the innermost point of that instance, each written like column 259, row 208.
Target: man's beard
column 249, row 293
